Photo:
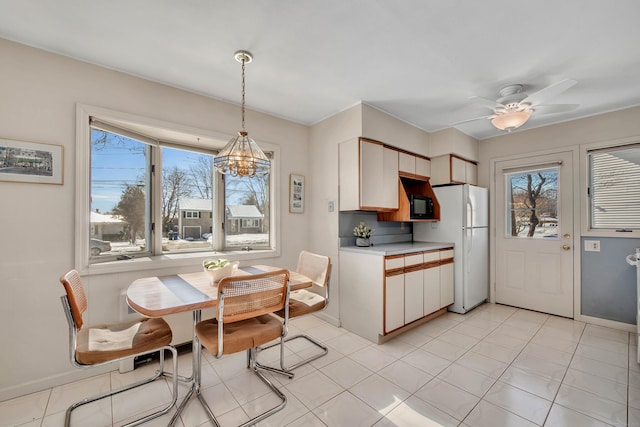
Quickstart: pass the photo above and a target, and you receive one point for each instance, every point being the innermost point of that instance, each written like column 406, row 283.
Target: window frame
column 160, row 260
column 585, row 179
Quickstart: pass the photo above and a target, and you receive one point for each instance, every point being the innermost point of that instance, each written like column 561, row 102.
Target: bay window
column 150, row 192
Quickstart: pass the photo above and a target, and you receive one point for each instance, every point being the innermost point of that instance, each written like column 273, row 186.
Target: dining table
column 158, row 296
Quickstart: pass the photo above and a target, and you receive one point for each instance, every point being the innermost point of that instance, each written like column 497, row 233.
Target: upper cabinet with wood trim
column 368, row 176
column 413, row 166
column 451, row 169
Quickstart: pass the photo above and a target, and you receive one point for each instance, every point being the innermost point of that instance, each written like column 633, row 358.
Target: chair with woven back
column 307, row 301
column 243, row 321
column 97, row 345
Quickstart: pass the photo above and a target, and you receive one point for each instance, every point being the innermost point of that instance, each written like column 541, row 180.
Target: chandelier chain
column 243, row 62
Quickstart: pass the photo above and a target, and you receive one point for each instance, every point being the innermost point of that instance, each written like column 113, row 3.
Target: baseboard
column 329, row 319
column 54, row 381
column 607, row 323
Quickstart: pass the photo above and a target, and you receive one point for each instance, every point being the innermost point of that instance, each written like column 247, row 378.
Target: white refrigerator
column 464, row 220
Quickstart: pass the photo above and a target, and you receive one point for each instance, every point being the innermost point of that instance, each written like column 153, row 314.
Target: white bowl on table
column 220, row 273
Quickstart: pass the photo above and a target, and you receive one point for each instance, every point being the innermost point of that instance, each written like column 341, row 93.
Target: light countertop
column 385, row 249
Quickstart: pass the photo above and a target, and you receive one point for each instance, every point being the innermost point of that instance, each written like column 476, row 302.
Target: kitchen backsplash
column 383, row 231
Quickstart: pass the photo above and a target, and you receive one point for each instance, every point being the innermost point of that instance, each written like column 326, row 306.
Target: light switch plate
column 592, row 245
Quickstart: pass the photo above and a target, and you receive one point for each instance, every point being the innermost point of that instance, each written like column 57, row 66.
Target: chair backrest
column 315, row 267
column 75, row 295
column 246, row 296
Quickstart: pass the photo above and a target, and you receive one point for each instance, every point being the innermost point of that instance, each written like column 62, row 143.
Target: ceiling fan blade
column 473, row 120
column 485, row 102
column 548, row 92
column 555, row 108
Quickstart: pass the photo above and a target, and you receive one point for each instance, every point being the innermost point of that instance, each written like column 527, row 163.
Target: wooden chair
column 307, row 301
column 243, row 322
column 98, row 345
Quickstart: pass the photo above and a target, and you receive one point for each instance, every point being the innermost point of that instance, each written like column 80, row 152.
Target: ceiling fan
column 514, row 107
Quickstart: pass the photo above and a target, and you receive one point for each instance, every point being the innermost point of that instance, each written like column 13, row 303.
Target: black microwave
column 420, row 207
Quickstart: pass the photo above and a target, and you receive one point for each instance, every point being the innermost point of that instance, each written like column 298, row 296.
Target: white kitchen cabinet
column 414, row 166
column 431, row 282
column 446, row 277
column 471, row 173
column 380, row 295
column 368, row 176
column 394, row 301
column 413, row 294
column 451, row 169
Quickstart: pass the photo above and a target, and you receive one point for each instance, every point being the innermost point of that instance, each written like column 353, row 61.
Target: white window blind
column 614, row 188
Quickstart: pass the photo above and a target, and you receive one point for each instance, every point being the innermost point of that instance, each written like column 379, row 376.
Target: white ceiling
column 418, row 60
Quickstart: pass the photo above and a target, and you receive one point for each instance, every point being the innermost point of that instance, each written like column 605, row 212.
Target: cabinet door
column 413, row 295
column 431, row 282
column 370, row 176
column 471, row 173
column 406, row 163
column 378, row 177
column 446, row 284
column 389, row 188
column 394, row 302
column 458, row 170
column 423, row 167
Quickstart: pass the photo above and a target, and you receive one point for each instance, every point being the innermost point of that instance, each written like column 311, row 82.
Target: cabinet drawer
column 414, row 259
column 431, row 256
column 446, row 253
column 394, row 262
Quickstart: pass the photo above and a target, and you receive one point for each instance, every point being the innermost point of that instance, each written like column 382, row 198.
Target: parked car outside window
column 98, row 246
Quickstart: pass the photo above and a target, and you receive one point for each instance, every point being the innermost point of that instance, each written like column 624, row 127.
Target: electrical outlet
column 592, row 245
column 330, row 206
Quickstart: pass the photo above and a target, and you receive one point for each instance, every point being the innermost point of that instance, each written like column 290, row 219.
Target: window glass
column 187, row 200
column 614, row 188
column 246, row 223
column 120, row 188
column 138, row 209
column 532, row 204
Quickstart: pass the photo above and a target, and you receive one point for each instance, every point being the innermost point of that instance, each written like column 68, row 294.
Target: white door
column 534, row 226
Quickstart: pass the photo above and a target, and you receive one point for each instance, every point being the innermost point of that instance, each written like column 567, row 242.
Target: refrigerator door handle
column 469, row 213
column 468, row 237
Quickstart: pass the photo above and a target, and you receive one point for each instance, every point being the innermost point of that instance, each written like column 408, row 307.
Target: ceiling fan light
column 511, row 120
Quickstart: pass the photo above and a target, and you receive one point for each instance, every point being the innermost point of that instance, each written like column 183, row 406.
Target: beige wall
column 39, row 93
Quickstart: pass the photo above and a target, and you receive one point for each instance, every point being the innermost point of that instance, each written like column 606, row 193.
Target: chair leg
column 283, row 366
column 254, row 364
column 158, row 374
column 255, row 367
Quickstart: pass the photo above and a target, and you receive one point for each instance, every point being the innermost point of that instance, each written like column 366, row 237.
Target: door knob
column 566, row 235
column 566, row 247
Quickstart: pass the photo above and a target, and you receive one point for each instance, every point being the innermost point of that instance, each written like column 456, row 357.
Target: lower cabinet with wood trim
column 383, row 295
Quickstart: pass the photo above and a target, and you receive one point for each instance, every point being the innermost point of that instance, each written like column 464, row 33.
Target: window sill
column 153, row 263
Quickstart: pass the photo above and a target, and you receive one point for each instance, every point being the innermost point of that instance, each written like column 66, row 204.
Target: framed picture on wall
column 30, row 162
column 296, row 193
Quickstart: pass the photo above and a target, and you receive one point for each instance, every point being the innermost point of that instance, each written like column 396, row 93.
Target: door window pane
column 246, row 222
column 532, row 203
column 120, row 189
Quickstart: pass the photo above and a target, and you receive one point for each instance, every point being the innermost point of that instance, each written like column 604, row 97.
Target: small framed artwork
column 30, row 162
column 296, row 193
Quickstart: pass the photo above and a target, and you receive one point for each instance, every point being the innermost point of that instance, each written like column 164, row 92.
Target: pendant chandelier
column 242, row 156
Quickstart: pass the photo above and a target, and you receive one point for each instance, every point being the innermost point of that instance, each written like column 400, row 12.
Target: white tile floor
column 495, row 366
